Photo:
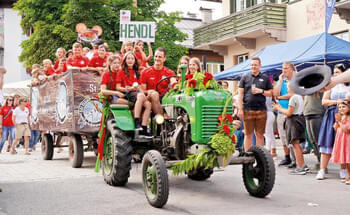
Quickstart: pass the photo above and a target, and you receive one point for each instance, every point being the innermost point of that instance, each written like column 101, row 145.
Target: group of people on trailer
column 125, row 75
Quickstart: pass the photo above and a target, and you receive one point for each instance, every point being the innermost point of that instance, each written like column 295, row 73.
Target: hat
column 310, row 80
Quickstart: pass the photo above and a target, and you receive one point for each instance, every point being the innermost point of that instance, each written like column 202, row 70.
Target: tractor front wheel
column 155, row 179
column 259, row 177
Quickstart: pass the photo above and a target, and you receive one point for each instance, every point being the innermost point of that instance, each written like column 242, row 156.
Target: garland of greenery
column 221, row 144
column 105, row 100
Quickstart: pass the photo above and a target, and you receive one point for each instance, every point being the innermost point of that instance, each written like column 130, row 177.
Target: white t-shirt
column 2, row 99
column 21, row 116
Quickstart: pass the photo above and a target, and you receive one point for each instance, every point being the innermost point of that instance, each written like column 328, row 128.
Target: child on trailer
column 60, row 53
column 108, row 80
column 140, row 54
column 48, row 69
column 128, row 80
column 99, row 62
column 77, row 61
column 194, row 65
column 341, row 150
column 62, row 66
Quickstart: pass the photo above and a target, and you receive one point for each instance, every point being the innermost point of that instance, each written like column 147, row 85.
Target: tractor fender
column 124, row 119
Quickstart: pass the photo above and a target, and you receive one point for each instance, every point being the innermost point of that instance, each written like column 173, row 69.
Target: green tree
column 53, row 25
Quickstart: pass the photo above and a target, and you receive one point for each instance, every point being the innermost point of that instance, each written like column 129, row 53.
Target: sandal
column 27, row 153
column 347, row 182
column 13, row 152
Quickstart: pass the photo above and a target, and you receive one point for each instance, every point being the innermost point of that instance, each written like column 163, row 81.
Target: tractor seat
column 119, row 106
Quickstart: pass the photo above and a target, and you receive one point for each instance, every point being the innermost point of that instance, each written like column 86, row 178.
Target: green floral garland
column 221, row 144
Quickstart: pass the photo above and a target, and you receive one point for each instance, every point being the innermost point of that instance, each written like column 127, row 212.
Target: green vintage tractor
column 186, row 127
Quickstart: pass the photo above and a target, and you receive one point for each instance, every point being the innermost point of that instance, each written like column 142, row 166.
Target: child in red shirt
column 140, row 53
column 60, row 53
column 77, row 61
column 62, row 66
column 48, row 67
column 128, row 80
column 108, row 80
column 99, row 62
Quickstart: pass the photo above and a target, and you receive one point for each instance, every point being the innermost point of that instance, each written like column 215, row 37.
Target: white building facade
column 11, row 36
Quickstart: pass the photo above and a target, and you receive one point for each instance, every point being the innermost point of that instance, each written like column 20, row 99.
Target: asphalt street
column 32, row 186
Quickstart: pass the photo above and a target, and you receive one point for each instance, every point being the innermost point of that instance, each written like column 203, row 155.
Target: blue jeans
column 34, row 137
column 6, row 131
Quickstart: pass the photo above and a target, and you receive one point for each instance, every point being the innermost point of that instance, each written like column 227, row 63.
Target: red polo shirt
column 111, row 84
column 96, row 61
column 4, row 111
column 78, row 61
column 127, row 80
column 151, row 77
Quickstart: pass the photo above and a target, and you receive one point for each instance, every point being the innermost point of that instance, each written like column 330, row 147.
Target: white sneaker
column 321, row 174
column 342, row 173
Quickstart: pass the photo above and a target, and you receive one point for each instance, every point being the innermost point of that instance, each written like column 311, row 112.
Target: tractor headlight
column 159, row 119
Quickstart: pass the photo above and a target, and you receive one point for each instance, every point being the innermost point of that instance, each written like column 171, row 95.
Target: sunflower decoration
column 220, row 148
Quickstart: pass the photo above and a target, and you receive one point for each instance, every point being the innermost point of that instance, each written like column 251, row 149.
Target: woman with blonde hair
column 194, row 65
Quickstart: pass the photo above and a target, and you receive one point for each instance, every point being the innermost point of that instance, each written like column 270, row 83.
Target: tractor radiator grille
column 210, row 114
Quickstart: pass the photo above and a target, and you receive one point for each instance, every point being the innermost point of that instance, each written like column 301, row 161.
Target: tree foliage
column 53, row 25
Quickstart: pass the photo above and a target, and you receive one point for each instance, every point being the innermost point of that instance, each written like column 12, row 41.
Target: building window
column 239, row 5
column 343, row 35
column 214, row 67
column 242, row 58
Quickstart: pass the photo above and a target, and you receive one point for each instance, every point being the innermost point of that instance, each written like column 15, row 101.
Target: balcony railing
column 266, row 14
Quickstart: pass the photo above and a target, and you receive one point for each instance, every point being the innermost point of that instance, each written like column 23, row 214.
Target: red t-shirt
column 111, row 84
column 77, row 61
column 57, row 64
column 60, row 71
column 140, row 60
column 127, row 80
column 8, row 121
column 50, row 71
column 151, row 77
column 96, row 61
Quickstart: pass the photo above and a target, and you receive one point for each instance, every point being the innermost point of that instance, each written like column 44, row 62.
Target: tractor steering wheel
column 163, row 79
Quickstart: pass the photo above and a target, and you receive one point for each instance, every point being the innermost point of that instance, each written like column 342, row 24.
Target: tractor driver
column 152, row 75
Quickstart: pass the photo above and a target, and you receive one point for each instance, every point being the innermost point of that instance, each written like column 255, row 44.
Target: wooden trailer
column 67, row 110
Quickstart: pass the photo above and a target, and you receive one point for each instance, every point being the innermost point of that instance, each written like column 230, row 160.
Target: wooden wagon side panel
column 87, row 108
column 67, row 104
column 34, row 108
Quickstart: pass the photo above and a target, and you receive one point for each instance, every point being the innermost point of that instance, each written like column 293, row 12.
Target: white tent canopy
column 21, row 88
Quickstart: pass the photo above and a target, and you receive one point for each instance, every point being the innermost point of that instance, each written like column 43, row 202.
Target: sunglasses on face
column 10, row 100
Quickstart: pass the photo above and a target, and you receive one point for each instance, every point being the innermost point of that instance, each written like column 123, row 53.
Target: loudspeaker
column 310, row 80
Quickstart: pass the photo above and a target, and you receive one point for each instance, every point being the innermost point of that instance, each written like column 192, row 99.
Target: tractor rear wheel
column 200, row 174
column 116, row 162
column 259, row 177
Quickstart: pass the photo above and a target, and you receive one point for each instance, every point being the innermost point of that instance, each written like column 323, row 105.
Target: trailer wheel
column 47, row 147
column 259, row 177
column 155, row 179
column 200, row 174
column 116, row 162
column 76, row 151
